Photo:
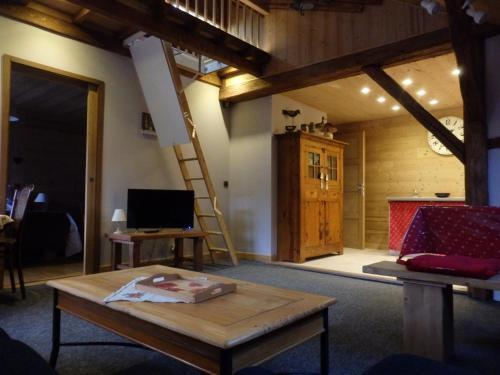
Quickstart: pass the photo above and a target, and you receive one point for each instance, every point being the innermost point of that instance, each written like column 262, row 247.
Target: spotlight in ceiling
column 407, row 82
column 365, row 90
column 433, row 102
column 13, row 119
column 431, row 6
column 456, row 72
column 421, row 92
column 381, row 99
column 478, row 16
column 396, row 108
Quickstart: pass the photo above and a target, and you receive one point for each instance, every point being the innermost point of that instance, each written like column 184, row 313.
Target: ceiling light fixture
column 456, row 72
column 396, row 108
column 433, row 102
column 407, row 82
column 431, row 6
column 381, row 99
column 365, row 90
column 421, row 92
column 13, row 119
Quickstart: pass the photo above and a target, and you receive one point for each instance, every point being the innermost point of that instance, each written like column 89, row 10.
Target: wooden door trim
column 95, row 123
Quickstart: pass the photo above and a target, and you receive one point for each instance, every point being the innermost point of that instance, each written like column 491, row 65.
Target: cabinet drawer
column 310, row 194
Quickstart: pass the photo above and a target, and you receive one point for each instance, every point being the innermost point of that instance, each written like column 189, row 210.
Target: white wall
column 253, row 169
column 493, row 115
column 130, row 160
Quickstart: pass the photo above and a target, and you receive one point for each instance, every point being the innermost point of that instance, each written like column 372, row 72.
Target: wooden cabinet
column 310, row 193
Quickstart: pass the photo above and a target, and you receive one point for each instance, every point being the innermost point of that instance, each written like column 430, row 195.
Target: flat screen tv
column 155, row 209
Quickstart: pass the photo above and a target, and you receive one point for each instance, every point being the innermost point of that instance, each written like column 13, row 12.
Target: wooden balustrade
column 240, row 18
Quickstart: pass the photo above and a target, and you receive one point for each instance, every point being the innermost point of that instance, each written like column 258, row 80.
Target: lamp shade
column 119, row 215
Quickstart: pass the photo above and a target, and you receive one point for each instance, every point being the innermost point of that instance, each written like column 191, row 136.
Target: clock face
column 453, row 124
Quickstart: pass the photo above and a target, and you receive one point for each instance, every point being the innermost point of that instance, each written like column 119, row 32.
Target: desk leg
column 428, row 320
column 198, row 254
column 325, row 364
column 116, row 255
column 178, row 252
column 226, row 362
column 56, row 331
column 134, row 254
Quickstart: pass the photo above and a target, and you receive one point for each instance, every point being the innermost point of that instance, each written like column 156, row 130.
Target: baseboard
column 253, row 256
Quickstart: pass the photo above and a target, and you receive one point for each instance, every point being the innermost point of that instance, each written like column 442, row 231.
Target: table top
column 163, row 233
column 425, row 199
column 387, row 268
column 225, row 321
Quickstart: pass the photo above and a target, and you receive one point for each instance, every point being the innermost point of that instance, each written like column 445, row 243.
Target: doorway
column 51, row 137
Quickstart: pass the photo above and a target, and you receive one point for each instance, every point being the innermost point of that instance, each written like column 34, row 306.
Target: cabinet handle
column 326, row 181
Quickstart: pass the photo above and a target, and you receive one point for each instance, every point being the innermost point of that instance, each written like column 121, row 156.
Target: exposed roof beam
column 470, row 54
column 445, row 136
column 182, row 29
column 47, row 22
column 426, row 45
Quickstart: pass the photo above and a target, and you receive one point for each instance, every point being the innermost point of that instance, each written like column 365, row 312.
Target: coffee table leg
column 56, row 331
column 325, row 345
column 178, row 252
column 226, row 362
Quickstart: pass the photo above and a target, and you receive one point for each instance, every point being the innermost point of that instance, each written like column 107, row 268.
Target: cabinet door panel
column 311, row 165
column 333, row 224
column 312, row 226
column 332, row 164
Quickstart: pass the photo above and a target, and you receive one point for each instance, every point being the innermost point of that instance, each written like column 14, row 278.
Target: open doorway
column 51, row 137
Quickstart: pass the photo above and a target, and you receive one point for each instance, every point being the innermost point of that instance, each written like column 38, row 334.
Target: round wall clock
column 452, row 123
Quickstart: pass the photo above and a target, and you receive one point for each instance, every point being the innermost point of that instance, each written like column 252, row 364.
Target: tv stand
column 133, row 241
column 151, row 231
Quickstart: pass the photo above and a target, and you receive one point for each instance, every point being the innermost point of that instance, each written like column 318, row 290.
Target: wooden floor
column 41, row 274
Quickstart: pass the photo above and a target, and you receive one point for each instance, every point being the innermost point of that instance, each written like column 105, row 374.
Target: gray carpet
column 365, row 326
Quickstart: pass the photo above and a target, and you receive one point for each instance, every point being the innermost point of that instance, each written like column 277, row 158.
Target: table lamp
column 118, row 217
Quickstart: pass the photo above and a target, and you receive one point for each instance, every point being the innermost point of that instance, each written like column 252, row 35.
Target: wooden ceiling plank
column 415, row 48
column 81, row 16
column 322, row 7
column 46, row 22
column 155, row 24
column 470, row 55
column 445, row 136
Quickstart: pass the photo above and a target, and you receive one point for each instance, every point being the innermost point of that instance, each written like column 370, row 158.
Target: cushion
column 457, row 265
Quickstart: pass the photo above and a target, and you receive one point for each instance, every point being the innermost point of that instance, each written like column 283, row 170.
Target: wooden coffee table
column 218, row 336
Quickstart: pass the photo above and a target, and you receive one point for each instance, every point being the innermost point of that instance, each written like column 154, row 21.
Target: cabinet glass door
column 332, row 167
column 313, row 164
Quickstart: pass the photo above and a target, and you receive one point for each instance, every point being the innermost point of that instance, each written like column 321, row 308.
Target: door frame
column 93, row 169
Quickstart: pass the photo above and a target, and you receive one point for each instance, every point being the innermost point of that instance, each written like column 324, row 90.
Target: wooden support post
column 428, row 319
column 469, row 51
column 432, row 124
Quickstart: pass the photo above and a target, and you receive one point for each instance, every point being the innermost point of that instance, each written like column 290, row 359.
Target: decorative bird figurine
column 290, row 113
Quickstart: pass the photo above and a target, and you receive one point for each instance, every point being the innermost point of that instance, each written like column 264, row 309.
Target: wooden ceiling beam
column 81, row 16
column 445, row 136
column 470, row 53
column 415, row 48
column 155, row 22
column 50, row 23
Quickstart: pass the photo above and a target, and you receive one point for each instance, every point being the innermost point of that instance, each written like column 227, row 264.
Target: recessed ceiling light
column 13, row 119
column 456, row 72
column 396, row 108
column 407, row 82
column 381, row 99
column 421, row 92
column 365, row 90
column 434, row 102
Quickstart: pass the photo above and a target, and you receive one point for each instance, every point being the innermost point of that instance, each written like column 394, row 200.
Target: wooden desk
column 428, row 307
column 218, row 336
column 134, row 239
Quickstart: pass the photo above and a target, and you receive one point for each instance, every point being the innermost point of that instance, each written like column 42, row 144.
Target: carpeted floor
column 365, row 326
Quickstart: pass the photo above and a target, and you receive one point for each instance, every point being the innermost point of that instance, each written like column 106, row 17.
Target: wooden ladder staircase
column 209, row 217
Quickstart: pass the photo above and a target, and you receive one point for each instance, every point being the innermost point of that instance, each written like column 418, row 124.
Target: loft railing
column 240, row 18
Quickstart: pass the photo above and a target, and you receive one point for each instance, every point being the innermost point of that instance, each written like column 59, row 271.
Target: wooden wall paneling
column 399, row 160
column 95, row 123
column 470, row 56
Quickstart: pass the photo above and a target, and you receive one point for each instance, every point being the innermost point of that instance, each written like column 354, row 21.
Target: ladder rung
column 188, row 159
column 220, row 249
column 205, row 215
column 214, row 232
column 201, row 197
column 195, row 179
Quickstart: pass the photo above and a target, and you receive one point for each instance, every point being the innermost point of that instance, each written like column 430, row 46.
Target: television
column 155, row 209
